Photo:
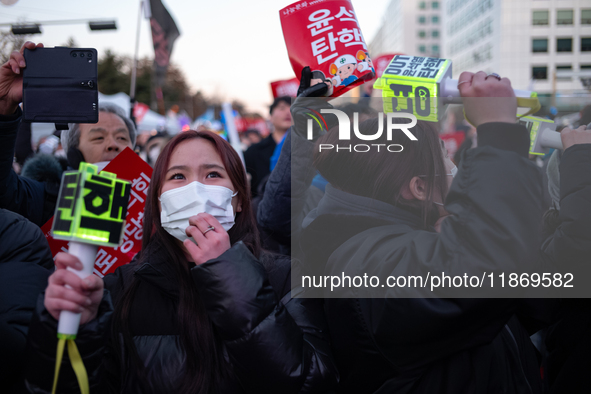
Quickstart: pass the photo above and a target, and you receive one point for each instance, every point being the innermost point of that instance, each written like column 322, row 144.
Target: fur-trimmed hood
column 44, row 168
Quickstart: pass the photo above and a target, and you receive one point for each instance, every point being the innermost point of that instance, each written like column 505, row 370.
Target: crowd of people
column 210, row 304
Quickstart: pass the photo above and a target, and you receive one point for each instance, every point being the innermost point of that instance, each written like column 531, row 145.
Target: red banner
column 243, row 124
column 325, row 35
column 129, row 166
column 285, row 88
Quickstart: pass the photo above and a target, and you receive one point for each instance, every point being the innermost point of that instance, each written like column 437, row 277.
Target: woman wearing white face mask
column 197, row 312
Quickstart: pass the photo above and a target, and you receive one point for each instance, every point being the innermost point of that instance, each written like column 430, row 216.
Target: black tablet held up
column 60, row 85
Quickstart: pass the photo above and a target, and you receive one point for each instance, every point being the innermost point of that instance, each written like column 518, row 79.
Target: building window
column 564, row 45
column 435, row 34
column 422, row 19
column 540, row 18
column 435, row 19
column 539, row 45
column 422, row 5
column 422, row 49
column 563, row 68
column 585, row 66
column 435, row 49
column 586, row 17
column 539, row 72
column 564, row 17
column 435, row 5
column 585, row 44
column 422, row 34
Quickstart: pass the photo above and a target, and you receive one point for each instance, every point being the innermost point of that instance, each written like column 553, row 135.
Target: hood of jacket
column 43, row 168
column 341, row 215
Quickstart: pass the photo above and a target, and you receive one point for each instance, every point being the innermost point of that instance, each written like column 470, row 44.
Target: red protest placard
column 325, row 35
column 285, row 88
column 453, row 141
column 129, row 166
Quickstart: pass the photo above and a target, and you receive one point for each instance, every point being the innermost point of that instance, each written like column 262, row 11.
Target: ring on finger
column 497, row 76
column 210, row 228
column 459, row 83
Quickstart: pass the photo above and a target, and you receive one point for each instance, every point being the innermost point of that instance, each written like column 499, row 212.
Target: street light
column 26, row 29
column 104, row 25
column 34, row 28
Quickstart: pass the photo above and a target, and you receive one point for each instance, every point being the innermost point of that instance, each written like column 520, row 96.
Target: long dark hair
column 205, row 364
column 383, row 175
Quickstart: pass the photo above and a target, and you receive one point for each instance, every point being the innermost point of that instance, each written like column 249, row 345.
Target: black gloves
column 305, row 90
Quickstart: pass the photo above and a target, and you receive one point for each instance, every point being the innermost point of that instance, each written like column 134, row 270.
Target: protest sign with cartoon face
column 326, row 37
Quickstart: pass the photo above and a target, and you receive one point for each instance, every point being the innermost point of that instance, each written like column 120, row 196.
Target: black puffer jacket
column 431, row 345
column 275, row 344
column 33, row 199
column 25, row 262
column 568, row 249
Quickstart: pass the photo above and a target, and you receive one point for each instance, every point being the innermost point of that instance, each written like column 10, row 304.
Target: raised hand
column 210, row 237
column 82, row 296
column 572, row 137
column 11, row 79
column 487, row 99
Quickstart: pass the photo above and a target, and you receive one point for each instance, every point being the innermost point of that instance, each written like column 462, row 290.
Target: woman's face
column 197, row 160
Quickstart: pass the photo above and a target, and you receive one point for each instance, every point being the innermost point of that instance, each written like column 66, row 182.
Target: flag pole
column 134, row 68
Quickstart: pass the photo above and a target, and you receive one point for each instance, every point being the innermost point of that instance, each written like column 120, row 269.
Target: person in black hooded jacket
column 25, row 263
column 567, row 247
column 197, row 312
column 388, row 218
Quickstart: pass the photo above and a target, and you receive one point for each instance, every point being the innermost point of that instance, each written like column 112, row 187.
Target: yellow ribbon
column 75, row 359
column 533, row 103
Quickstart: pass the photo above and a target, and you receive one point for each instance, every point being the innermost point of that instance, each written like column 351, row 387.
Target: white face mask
column 179, row 204
column 453, row 173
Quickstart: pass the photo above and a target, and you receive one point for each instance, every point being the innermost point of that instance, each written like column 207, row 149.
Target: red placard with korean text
column 285, row 88
column 129, row 166
column 325, row 35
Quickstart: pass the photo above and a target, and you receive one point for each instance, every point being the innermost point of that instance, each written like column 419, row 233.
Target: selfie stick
column 91, row 212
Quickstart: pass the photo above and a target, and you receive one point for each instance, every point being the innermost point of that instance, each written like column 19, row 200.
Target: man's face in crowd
column 281, row 117
column 104, row 140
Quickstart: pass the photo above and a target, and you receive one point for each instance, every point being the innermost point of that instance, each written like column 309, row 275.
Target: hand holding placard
column 91, row 211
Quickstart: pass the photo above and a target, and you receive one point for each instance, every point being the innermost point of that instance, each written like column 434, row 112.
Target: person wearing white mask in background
column 97, row 143
column 203, row 309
